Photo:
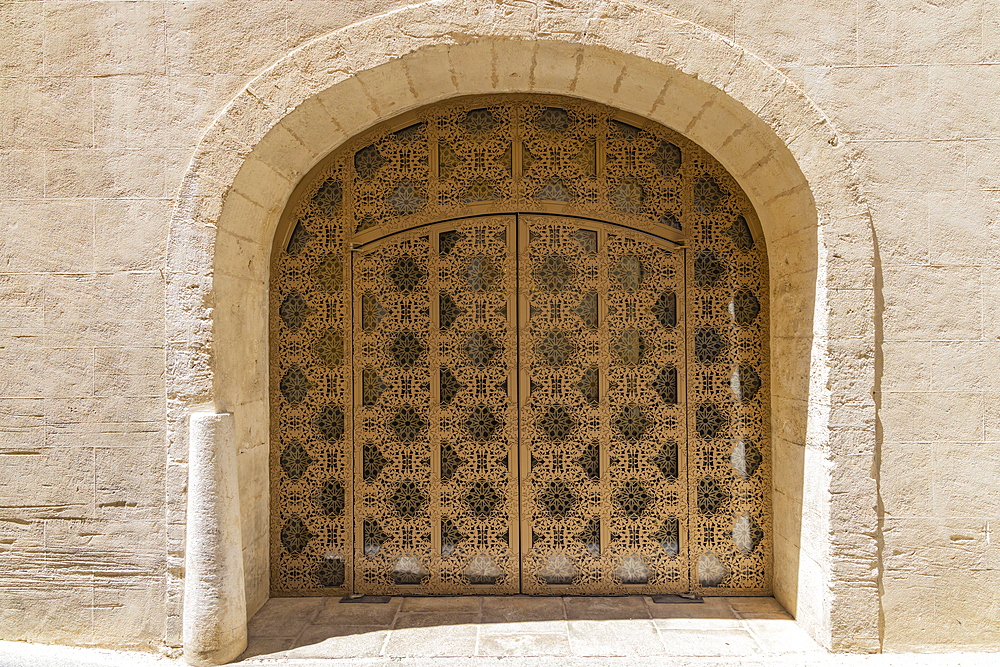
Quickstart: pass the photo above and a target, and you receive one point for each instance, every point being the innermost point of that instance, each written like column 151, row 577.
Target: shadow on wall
column 799, row 575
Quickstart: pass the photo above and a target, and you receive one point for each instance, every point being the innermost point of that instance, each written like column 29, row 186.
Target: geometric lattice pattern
column 393, row 502
column 644, row 495
column 475, row 268
column 593, row 533
column 311, row 456
column 617, row 354
column 729, row 531
column 444, row 417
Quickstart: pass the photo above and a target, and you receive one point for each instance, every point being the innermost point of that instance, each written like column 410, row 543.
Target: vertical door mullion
column 434, row 414
column 690, row 441
column 604, row 405
column 514, row 392
column 523, row 391
column 356, row 469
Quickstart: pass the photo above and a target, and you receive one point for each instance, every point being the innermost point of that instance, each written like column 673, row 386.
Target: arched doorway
column 519, row 344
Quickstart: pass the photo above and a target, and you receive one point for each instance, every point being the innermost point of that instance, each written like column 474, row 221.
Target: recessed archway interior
column 520, row 344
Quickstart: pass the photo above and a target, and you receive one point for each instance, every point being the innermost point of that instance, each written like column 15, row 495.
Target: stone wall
column 106, row 108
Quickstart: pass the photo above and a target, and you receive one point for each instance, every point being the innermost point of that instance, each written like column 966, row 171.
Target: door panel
column 435, row 352
column 563, row 425
column 563, row 333
column 476, row 434
column 374, row 461
column 647, row 447
column 603, row 454
column 392, row 371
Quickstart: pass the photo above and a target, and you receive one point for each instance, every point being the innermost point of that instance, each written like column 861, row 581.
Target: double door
column 519, row 417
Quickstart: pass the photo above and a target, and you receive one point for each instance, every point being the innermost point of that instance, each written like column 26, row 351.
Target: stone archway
column 766, row 132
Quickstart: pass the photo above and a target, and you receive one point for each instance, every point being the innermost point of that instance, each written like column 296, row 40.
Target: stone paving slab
column 612, row 638
column 20, row 654
column 888, row 660
column 514, row 631
column 285, row 617
column 702, row 642
column 521, row 609
column 335, row 613
column 521, row 644
column 442, row 641
column 521, row 626
column 325, row 641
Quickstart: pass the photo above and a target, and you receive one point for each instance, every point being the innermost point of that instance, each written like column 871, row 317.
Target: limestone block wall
column 915, row 100
column 102, row 106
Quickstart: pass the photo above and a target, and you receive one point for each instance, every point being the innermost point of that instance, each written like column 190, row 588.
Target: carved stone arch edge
column 778, row 145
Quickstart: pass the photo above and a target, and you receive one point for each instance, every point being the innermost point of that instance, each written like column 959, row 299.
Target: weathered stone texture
column 84, row 214
column 117, row 117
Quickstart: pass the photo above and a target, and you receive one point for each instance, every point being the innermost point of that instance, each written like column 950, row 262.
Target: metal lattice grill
column 439, row 510
column 393, row 418
column 604, row 493
column 311, row 453
column 535, row 402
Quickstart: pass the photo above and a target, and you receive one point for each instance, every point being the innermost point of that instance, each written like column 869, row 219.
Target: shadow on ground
column 634, row 626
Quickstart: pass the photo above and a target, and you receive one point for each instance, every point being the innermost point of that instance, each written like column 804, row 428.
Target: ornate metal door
column 559, row 335
column 435, row 359
column 604, row 489
column 518, row 401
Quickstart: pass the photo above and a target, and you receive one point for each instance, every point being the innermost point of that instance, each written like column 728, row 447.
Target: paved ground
column 513, row 632
column 522, row 626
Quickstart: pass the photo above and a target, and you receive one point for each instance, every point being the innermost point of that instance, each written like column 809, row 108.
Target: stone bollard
column 215, row 616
